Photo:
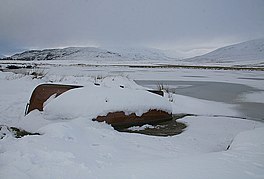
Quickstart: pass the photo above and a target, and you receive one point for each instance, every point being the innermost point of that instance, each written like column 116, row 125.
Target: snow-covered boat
column 112, row 115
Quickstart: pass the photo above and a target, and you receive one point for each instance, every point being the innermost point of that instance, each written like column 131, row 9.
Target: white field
column 81, row 148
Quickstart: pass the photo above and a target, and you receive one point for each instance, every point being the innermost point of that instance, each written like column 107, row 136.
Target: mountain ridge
column 89, row 53
column 252, row 50
column 246, row 53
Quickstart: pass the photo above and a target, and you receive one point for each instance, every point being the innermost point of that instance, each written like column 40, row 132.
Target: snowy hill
column 65, row 53
column 2, row 56
column 142, row 53
column 248, row 52
column 90, row 53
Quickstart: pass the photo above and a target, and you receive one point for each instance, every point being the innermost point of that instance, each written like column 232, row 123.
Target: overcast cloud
column 165, row 24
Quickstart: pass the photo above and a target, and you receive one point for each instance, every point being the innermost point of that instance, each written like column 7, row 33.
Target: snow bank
column 117, row 81
column 85, row 149
column 250, row 141
column 245, row 160
column 92, row 101
column 15, row 90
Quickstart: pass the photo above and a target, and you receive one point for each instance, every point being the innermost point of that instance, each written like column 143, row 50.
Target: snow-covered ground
column 82, row 148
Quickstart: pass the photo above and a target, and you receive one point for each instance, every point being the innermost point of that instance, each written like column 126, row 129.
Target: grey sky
column 165, row 24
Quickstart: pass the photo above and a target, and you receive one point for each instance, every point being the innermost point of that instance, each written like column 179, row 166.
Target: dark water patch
column 252, row 110
column 193, row 76
column 92, row 70
column 200, row 67
column 122, row 71
column 164, row 129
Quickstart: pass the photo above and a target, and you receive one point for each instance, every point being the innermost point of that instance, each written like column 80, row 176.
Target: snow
column 139, row 128
column 87, row 149
column 91, row 54
column 81, row 148
column 201, row 107
column 233, row 163
column 248, row 52
column 96, row 101
column 256, row 97
column 142, row 54
column 49, row 99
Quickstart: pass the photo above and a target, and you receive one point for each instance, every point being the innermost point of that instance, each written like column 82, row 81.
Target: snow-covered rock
column 247, row 51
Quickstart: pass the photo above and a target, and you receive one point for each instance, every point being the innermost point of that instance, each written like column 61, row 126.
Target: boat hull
column 121, row 120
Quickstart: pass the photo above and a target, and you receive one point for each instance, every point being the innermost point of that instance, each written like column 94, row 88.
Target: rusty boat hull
column 43, row 92
column 121, row 120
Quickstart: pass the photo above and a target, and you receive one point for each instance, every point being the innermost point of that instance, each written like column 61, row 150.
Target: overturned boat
column 119, row 107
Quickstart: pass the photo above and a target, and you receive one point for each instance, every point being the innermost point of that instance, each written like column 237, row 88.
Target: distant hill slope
column 249, row 51
column 89, row 53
